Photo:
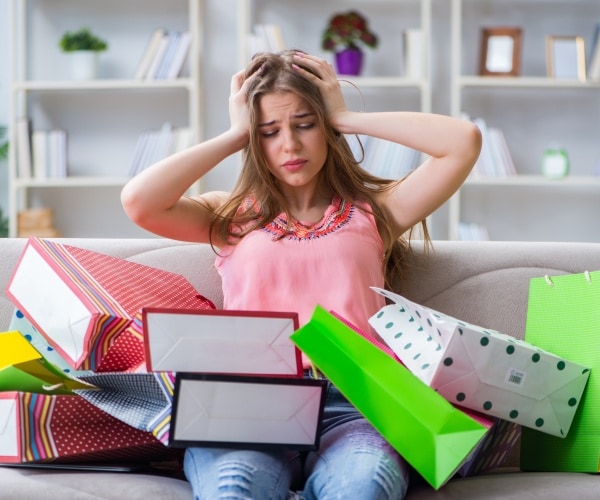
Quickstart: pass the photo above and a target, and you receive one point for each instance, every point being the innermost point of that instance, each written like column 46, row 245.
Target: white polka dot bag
column 483, row 369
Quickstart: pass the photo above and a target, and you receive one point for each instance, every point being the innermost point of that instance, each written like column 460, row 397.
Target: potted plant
column 83, row 48
column 345, row 35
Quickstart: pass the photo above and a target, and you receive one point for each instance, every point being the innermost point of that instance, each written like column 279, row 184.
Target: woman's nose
column 290, row 140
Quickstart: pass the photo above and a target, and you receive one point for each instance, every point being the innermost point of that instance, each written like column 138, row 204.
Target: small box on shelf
column 36, row 222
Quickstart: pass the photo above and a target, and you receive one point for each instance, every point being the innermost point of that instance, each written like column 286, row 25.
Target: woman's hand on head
column 239, row 114
column 327, row 82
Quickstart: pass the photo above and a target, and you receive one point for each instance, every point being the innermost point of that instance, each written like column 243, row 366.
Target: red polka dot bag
column 68, row 429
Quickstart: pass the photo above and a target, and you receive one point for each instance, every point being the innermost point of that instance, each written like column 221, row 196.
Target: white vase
column 84, row 64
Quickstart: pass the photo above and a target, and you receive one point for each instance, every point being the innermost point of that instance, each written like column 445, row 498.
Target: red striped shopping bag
column 85, row 302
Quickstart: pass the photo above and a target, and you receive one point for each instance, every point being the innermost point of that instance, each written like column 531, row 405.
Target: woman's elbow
column 131, row 205
column 472, row 143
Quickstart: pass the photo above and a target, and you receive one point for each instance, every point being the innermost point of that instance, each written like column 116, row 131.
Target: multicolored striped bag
column 85, row 302
column 141, row 400
column 68, row 429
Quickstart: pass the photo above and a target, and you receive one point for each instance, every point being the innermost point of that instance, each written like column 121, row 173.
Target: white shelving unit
column 549, row 111
column 104, row 117
column 383, row 84
column 302, row 29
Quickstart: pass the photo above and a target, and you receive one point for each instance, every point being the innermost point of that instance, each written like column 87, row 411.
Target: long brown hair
column 341, row 173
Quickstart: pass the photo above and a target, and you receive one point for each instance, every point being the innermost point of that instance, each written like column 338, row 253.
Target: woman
column 304, row 225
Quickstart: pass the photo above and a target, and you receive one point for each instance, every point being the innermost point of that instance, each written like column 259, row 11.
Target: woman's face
column 293, row 143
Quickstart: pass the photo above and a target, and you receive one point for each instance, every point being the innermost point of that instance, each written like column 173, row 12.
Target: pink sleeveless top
column 331, row 263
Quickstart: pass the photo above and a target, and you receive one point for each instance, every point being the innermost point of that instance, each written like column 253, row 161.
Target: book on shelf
column 594, row 59
column 265, row 38
column 414, row 53
column 472, row 231
column 165, row 55
column 494, row 159
column 24, row 166
column 49, row 154
column 40, row 153
column 177, row 62
column 382, row 158
column 149, row 54
column 154, row 145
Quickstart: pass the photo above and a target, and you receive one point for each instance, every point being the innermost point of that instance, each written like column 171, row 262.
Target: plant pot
column 84, row 64
column 349, row 62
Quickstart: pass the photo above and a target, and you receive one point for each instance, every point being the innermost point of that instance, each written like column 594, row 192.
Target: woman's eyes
column 300, row 126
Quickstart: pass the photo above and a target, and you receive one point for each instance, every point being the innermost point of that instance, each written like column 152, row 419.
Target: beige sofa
column 485, row 283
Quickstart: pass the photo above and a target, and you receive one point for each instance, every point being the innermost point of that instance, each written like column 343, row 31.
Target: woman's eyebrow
column 298, row 116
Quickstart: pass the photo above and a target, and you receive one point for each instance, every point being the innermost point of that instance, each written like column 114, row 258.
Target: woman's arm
column 452, row 146
column 154, row 199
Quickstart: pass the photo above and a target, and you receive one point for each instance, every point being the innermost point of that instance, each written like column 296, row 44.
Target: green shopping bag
column 431, row 434
column 563, row 317
column 23, row 368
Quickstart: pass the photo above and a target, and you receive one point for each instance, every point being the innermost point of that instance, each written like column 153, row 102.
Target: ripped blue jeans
column 353, row 461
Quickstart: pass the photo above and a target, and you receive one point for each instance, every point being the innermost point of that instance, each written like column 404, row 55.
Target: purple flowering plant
column 348, row 30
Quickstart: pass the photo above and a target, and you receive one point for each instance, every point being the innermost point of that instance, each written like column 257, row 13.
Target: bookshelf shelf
column 67, row 86
column 72, row 182
column 103, row 119
column 536, row 181
column 536, row 113
column 524, row 81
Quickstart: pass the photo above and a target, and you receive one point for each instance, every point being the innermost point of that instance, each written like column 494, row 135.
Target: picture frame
column 565, row 57
column 500, row 51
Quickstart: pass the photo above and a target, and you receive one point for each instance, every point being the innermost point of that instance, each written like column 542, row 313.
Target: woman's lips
column 294, row 165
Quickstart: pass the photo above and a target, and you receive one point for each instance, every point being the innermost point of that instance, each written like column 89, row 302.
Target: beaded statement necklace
column 337, row 215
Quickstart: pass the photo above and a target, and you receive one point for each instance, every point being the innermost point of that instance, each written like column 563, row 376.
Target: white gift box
column 483, row 369
column 219, row 341
column 257, row 412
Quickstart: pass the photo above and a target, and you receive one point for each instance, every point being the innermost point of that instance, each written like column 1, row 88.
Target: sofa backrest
column 484, row 283
column 195, row 262
column 487, row 283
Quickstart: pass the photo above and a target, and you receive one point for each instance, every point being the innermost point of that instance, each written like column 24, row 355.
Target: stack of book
column 154, row 145
column 49, row 153
column 495, row 159
column 385, row 159
column 165, row 55
column 41, row 154
column 265, row 38
column 594, row 60
column 471, row 231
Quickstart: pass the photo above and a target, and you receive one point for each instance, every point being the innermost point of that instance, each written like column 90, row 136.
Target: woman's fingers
column 236, row 82
column 325, row 78
column 323, row 69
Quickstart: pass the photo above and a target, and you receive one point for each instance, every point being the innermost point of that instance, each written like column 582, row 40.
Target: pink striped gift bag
column 69, row 429
column 85, row 302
